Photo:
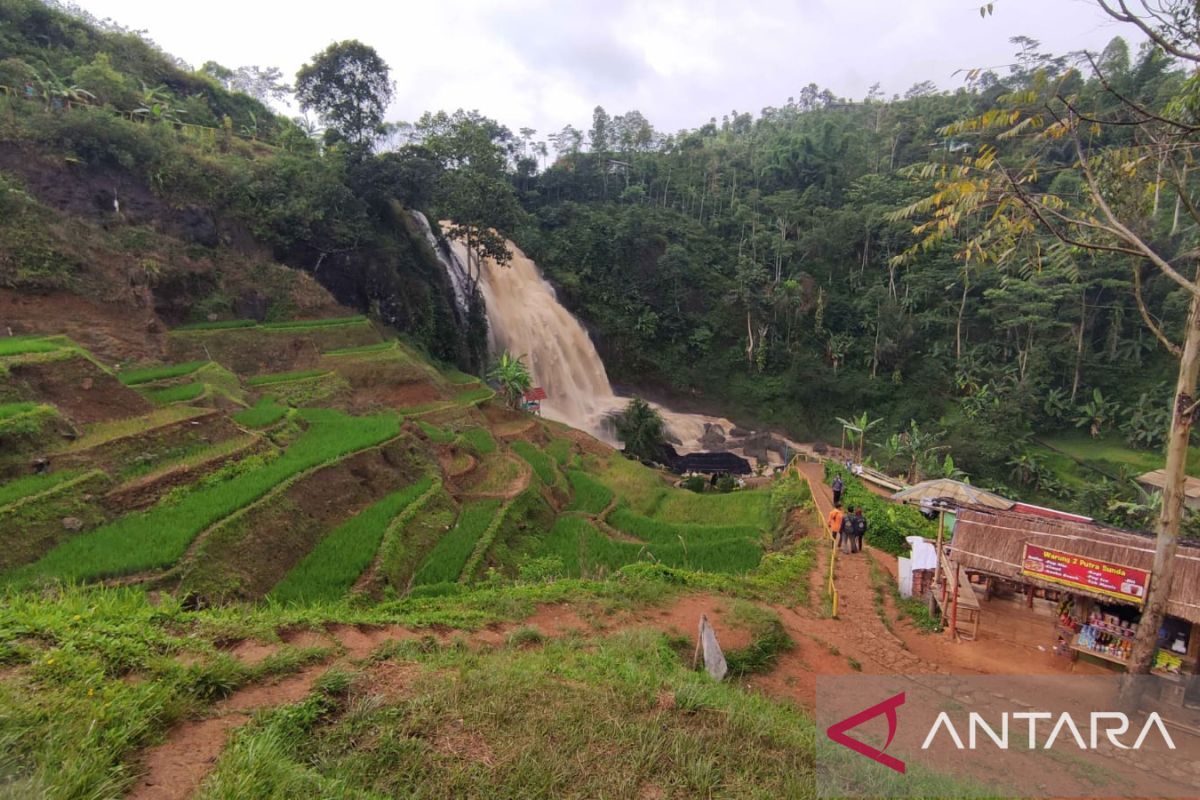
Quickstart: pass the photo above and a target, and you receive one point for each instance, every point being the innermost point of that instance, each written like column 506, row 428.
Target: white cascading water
column 525, row 318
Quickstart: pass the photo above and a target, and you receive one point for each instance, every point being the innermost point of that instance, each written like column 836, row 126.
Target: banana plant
column 511, row 374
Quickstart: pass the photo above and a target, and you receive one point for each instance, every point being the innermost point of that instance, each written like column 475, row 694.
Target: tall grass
column 161, row 373
column 543, row 465
column 446, row 560
column 435, row 433
column 159, row 536
column 590, row 496
column 747, row 507
column 219, row 325
column 560, row 451
column 183, row 393
column 32, row 485
column 472, row 396
column 586, row 552
column 306, row 324
column 285, row 377
column 657, row 530
column 643, row 488
column 15, row 409
column 330, row 568
column 459, row 378
column 480, row 440
column 24, row 345
column 263, row 414
column 378, row 347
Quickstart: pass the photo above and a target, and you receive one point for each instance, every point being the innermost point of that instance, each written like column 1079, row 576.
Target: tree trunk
column 1167, row 543
column 1079, row 347
column 962, row 309
column 875, row 351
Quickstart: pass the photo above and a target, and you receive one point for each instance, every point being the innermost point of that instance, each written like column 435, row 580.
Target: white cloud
column 545, row 63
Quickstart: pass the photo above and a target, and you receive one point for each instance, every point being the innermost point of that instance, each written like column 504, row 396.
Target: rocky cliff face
column 95, row 252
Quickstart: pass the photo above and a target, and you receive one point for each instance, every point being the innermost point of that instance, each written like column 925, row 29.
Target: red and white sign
column 1115, row 580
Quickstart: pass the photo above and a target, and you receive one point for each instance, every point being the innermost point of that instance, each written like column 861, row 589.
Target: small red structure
column 533, row 400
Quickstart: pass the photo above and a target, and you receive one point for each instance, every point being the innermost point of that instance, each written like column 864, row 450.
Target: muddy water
column 526, row 319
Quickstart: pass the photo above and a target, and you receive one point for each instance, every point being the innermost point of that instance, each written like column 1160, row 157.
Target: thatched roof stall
column 993, row 542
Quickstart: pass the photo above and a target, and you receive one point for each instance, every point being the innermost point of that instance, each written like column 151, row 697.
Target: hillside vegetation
column 278, row 511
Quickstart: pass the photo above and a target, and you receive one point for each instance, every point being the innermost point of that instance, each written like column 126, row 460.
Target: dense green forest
column 757, row 259
column 754, row 265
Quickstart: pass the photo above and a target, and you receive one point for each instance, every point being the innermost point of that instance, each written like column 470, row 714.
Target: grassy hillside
column 272, row 509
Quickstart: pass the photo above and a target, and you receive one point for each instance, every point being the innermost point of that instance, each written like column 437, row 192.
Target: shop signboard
column 1089, row 574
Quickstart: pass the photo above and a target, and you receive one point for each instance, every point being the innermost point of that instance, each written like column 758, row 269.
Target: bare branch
column 1125, row 15
column 1172, row 348
column 1037, row 211
column 1127, row 235
column 1129, row 103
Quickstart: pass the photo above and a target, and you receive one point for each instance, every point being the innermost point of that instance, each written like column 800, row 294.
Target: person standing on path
column 846, row 534
column 838, row 487
column 860, row 530
column 834, row 521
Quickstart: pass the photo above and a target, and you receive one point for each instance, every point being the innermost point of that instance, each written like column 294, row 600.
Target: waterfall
column 525, row 318
column 456, row 270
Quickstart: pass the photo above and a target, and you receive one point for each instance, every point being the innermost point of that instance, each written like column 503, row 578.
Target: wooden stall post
column 954, row 606
column 937, row 566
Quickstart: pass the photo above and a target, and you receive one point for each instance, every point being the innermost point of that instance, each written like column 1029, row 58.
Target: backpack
column 860, row 525
column 847, row 525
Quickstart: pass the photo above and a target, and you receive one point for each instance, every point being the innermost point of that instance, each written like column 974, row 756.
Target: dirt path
column 175, row 769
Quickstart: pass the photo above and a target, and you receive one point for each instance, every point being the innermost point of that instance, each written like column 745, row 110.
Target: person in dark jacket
column 838, row 487
column 860, row 530
column 846, row 534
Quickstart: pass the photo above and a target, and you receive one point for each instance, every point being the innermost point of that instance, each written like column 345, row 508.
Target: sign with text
column 1068, row 569
column 986, row 736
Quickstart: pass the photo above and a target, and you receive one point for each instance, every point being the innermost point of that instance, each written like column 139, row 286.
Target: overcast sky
column 546, row 63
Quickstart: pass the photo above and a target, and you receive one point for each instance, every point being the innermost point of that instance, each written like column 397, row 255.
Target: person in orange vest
column 835, row 522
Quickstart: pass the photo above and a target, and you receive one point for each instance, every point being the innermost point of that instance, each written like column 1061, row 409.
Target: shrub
column 695, row 483
column 726, row 484
column 888, row 524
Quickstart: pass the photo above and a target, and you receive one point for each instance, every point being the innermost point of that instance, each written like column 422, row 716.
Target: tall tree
column 1123, row 148
column 348, row 85
column 475, row 190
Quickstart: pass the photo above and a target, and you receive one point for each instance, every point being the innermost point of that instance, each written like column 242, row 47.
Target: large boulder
column 755, row 446
column 713, row 438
